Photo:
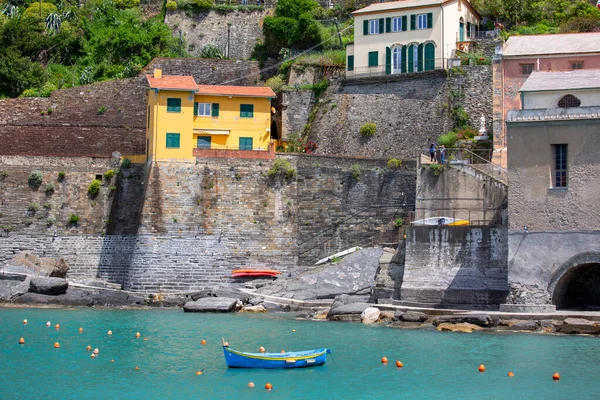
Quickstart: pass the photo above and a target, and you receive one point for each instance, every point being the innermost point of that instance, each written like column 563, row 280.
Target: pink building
column 521, row 55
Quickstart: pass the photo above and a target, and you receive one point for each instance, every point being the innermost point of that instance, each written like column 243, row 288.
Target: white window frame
column 421, row 21
column 202, row 109
column 397, row 24
column 415, row 58
column 374, row 27
column 397, row 60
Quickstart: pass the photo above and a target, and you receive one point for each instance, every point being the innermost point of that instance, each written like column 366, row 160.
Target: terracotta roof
column 567, row 43
column 562, row 80
column 171, row 82
column 244, row 91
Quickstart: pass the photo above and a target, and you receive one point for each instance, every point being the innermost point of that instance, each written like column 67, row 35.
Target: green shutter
column 403, row 60
column 366, row 27
column 429, row 57
column 350, row 63
column 381, row 25
column 373, row 59
column 420, row 57
column 247, row 110
column 388, row 60
column 172, row 140
column 388, row 24
column 245, row 143
column 404, row 23
column 413, row 22
column 195, row 108
column 411, row 50
column 173, row 105
column 429, row 20
column 215, row 109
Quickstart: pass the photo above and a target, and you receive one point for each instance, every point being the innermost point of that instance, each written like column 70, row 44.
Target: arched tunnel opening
column 579, row 288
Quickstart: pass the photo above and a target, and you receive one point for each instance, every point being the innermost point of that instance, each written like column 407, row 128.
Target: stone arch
column 576, row 283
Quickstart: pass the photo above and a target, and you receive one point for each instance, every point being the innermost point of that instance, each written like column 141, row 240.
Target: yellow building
column 186, row 120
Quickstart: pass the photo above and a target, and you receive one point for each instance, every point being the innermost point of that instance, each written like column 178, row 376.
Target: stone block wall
column 207, row 71
column 474, row 86
column 296, row 106
column 234, row 33
column 459, row 267
column 70, row 196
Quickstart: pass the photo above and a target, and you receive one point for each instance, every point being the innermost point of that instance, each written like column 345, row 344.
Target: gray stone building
column 554, row 191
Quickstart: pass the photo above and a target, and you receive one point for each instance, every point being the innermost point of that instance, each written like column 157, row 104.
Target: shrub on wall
column 94, row 187
column 61, row 175
column 436, row 168
column 448, row 140
column 73, row 219
column 355, row 172
column 49, row 188
column 276, row 83
column 171, row 5
column 126, row 163
column 394, row 163
column 368, row 129
column 109, row 174
column 35, row 179
column 282, row 168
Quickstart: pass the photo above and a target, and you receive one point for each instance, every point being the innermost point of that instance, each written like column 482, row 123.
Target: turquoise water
column 436, row 365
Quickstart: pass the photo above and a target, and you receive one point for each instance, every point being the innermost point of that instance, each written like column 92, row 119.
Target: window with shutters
column 373, row 58
column 172, row 140
column 350, row 63
column 246, row 111
column 245, row 143
column 203, row 142
column 202, row 109
column 422, row 21
column 397, row 24
column 173, row 105
column 373, row 26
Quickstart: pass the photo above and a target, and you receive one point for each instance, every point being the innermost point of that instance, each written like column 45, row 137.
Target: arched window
column 429, row 56
column 397, row 60
column 412, row 58
column 569, row 101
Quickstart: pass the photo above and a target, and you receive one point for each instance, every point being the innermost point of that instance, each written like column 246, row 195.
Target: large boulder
column 48, row 286
column 347, row 312
column 211, row 304
column 254, row 309
column 353, row 275
column 27, row 263
column 370, row 315
column 579, row 325
column 459, row 327
column 414, row 316
column 10, row 289
column 230, row 293
column 73, row 297
column 115, row 298
column 482, row 319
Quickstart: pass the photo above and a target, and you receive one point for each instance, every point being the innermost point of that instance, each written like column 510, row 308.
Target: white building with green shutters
column 409, row 36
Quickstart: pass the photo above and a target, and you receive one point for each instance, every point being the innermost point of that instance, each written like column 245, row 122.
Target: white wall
column 549, row 99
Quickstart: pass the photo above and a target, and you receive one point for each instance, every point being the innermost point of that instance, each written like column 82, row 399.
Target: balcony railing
column 477, row 35
column 261, row 153
column 365, row 72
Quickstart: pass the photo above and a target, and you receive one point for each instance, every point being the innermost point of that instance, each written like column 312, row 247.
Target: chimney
column 157, row 73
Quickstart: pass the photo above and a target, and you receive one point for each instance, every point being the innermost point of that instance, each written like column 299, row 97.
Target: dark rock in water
column 579, row 325
column 482, row 320
column 414, row 316
column 200, row 294
column 114, row 298
column 73, row 297
column 10, row 289
column 353, row 275
column 231, row 293
column 211, row 304
column 525, row 326
column 255, row 301
column 271, row 307
column 398, row 315
column 348, row 309
column 49, row 286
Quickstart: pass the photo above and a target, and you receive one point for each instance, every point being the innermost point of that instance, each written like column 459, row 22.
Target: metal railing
column 477, row 35
column 445, row 216
column 379, row 70
column 479, row 159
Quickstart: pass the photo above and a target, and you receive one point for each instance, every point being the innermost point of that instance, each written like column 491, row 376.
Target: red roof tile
column 172, row 82
column 243, row 91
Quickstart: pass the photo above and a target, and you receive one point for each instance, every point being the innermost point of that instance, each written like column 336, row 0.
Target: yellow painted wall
column 163, row 122
column 258, row 127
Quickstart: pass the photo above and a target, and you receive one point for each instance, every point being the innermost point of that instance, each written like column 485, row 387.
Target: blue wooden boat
column 291, row 359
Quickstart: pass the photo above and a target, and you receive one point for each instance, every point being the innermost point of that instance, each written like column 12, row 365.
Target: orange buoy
column 137, row 335
column 203, row 341
column 56, row 345
column 268, row 386
column 137, row 368
column 48, row 323
column 80, row 330
column 250, row 384
column 110, row 332
column 262, row 349
column 22, row 341
column 198, row 372
column 510, row 373
column 399, row 364
column 556, row 376
column 57, row 326
column 24, row 322
column 482, row 368
column 384, row 360
column 282, row 351
column 88, row 348
column 96, row 351
column 92, row 355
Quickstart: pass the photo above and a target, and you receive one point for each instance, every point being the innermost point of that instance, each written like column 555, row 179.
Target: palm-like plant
column 11, row 11
column 53, row 22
